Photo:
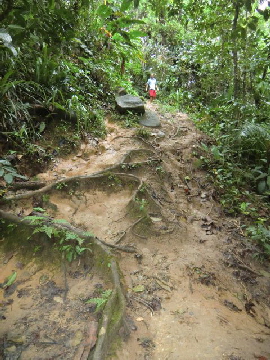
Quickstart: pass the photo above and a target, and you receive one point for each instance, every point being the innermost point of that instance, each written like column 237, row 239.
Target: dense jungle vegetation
column 62, row 60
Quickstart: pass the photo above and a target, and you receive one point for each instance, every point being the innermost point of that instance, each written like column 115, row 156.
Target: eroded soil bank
column 192, row 290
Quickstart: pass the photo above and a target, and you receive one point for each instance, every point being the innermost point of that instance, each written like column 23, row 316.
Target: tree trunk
column 235, row 51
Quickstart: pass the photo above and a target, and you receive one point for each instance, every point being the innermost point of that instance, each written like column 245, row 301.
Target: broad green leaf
column 10, row 280
column 8, row 178
column 139, row 288
column 58, row 106
column 1, row 171
column 42, row 126
column 204, row 147
column 20, row 176
column 4, row 162
column 268, row 181
column 69, row 256
column 261, row 187
column 125, row 5
column 118, row 37
column 136, row 33
column 15, row 27
column 215, row 152
column 104, row 11
column 261, row 176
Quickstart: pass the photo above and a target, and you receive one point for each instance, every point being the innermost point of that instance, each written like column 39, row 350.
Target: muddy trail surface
column 192, row 290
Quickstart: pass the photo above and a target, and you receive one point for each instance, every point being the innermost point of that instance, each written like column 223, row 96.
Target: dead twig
column 140, row 236
column 210, row 210
column 143, row 302
column 122, row 137
column 177, row 131
column 128, row 248
column 128, row 229
column 146, row 142
column 243, row 266
column 190, row 286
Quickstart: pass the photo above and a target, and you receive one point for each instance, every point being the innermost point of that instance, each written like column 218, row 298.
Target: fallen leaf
column 163, row 286
column 58, row 299
column 155, row 219
column 10, row 280
column 138, row 288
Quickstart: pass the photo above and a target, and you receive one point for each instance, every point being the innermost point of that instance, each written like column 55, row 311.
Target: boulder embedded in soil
column 150, row 119
column 131, row 103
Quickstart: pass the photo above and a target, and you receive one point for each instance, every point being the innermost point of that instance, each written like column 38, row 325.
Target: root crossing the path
column 166, row 281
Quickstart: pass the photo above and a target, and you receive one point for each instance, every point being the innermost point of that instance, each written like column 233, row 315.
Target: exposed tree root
column 128, row 229
column 143, row 302
column 48, row 221
column 143, row 201
column 47, row 188
column 114, row 312
column 148, row 143
column 29, row 185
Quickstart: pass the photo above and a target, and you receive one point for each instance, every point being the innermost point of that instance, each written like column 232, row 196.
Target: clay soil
column 193, row 290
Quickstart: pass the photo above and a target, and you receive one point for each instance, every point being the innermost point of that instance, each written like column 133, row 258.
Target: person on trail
column 151, row 85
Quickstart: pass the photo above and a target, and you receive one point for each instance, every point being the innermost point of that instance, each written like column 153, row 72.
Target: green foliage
column 8, row 172
column 100, row 301
column 261, row 235
column 253, row 140
column 144, row 133
column 263, row 180
column 10, row 280
column 160, row 171
column 61, row 185
column 67, row 242
column 114, row 180
column 143, row 204
column 129, row 120
column 51, row 61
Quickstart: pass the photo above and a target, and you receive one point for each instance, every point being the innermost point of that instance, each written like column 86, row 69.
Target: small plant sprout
column 67, row 242
column 61, row 185
column 8, row 172
column 100, row 301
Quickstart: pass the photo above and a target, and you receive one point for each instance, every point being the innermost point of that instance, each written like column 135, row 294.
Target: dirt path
column 191, row 291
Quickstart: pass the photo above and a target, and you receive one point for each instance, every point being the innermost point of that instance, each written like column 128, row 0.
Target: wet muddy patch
column 45, row 313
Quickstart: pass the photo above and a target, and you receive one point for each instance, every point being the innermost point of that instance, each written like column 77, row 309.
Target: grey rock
column 159, row 134
column 11, row 349
column 121, row 91
column 17, row 339
column 131, row 103
column 150, row 119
